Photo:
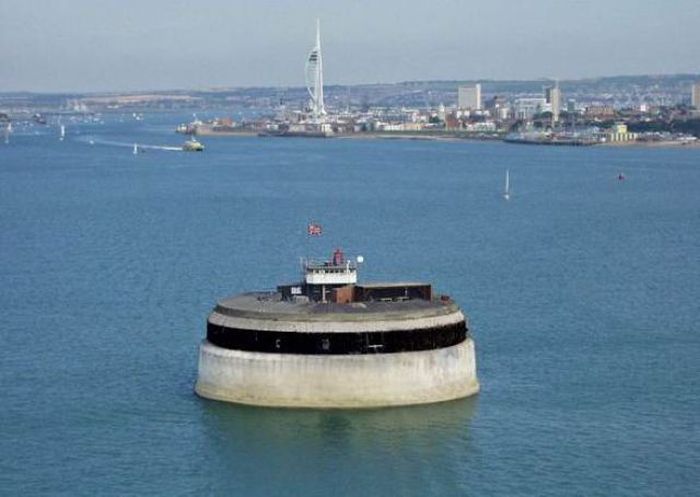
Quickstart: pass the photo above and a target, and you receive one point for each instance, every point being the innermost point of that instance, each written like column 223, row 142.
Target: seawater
column 582, row 291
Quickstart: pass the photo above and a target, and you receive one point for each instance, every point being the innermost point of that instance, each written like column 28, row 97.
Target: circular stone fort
column 329, row 341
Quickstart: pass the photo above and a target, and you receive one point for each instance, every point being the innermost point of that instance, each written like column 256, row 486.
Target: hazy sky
column 97, row 45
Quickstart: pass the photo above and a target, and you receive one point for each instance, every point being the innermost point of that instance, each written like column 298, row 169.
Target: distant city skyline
column 110, row 45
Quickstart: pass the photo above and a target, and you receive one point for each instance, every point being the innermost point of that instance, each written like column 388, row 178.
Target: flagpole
column 312, row 229
column 308, row 237
column 306, row 251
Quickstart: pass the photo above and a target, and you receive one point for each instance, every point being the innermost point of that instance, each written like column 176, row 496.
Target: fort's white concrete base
column 370, row 380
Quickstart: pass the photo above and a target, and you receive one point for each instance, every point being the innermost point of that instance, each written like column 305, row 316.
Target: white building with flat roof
column 469, row 97
column 528, row 107
column 695, row 95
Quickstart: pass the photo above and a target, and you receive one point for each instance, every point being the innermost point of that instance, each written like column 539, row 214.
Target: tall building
column 314, row 76
column 528, row 107
column 469, row 97
column 695, row 96
column 441, row 112
column 497, row 107
column 553, row 97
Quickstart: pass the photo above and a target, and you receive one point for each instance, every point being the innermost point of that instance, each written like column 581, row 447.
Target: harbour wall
column 341, row 381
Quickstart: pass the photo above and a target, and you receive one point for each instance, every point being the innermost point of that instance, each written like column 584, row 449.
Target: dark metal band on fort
column 332, row 343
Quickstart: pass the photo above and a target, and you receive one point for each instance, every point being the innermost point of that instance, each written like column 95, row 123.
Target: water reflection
column 263, row 450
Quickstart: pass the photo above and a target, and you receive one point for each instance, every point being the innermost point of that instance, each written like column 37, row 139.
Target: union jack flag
column 314, row 229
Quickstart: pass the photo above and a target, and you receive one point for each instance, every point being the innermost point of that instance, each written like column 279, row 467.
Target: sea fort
column 329, row 341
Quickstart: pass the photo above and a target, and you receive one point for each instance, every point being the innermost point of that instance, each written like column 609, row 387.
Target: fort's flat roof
column 392, row 284
column 269, row 305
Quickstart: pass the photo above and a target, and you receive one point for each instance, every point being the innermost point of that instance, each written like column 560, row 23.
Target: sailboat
column 506, row 192
column 63, row 132
column 8, row 130
column 136, row 149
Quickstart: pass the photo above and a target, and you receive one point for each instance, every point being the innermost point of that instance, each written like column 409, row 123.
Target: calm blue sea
column 583, row 293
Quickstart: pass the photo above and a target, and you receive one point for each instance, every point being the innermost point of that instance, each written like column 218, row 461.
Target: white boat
column 136, row 149
column 506, row 192
column 63, row 132
column 192, row 145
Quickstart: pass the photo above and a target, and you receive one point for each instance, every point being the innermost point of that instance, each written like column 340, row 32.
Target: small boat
column 136, row 149
column 621, row 177
column 62, row 132
column 192, row 145
column 506, row 191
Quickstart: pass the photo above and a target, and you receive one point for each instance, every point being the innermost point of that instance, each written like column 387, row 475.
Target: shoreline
column 449, row 137
column 453, row 138
column 659, row 144
column 224, row 134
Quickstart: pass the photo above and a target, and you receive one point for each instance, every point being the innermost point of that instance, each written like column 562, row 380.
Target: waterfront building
column 695, row 96
column 481, row 127
column 452, row 121
column 528, row 107
column 503, row 113
column 469, row 97
column 441, row 112
column 498, row 108
column 384, row 126
column 600, row 111
column 619, row 133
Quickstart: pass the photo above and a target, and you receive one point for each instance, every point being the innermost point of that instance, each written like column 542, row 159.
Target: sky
column 129, row 45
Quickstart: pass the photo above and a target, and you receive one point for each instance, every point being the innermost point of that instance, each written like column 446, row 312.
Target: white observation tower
column 314, row 76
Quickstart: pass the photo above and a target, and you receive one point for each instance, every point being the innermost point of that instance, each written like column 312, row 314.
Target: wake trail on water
column 112, row 143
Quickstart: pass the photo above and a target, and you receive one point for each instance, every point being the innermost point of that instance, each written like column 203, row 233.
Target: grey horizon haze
column 128, row 45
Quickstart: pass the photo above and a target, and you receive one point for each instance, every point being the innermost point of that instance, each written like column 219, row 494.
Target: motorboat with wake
column 192, row 145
